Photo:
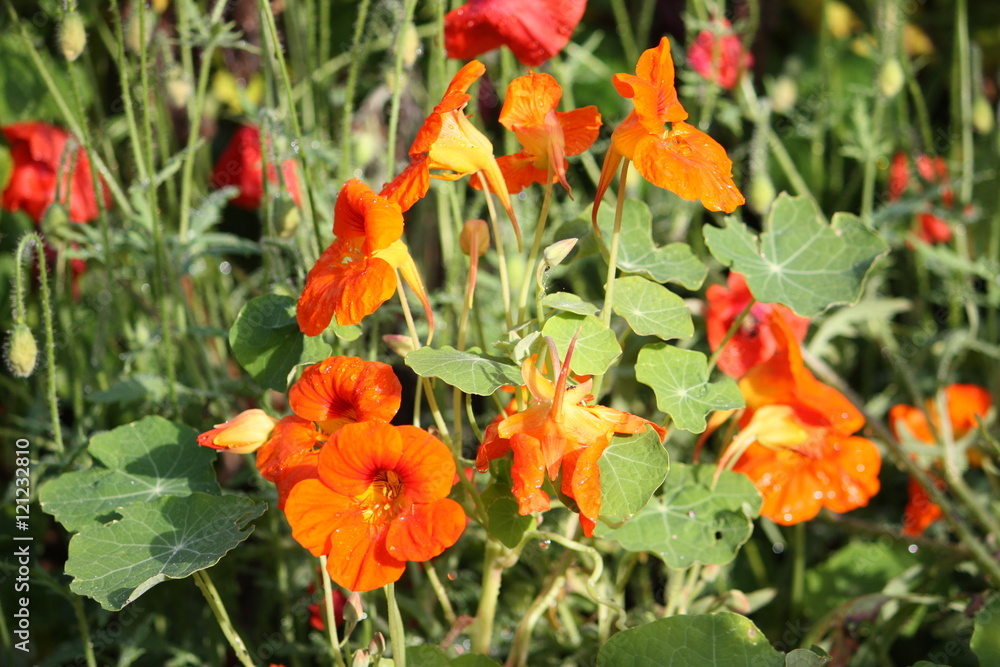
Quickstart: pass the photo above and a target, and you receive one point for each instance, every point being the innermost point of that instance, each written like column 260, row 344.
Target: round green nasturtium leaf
column 706, row 640
column 471, row 371
column 570, row 303
column 651, row 309
column 506, row 524
column 632, row 468
column 170, row 537
column 135, row 463
column 267, row 342
column 679, row 379
column 799, row 260
column 596, row 345
column 637, row 253
column 692, row 522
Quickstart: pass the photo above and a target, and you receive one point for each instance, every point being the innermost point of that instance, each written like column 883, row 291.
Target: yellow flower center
column 381, row 500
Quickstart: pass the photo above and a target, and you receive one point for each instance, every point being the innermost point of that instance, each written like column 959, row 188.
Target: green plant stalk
column 501, row 255
column 609, row 284
column 207, row 588
column 344, row 168
column 798, row 569
column 463, row 325
column 536, row 245
column 307, row 207
column 493, row 567
column 963, row 54
column 442, row 595
column 733, row 328
column 522, row 633
column 624, row 25
column 397, row 637
column 331, row 617
column 397, row 90
column 50, row 345
column 81, row 621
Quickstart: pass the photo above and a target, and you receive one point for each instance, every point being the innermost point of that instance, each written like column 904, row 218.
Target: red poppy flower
column 376, row 506
column 557, row 435
column 966, row 404
column 719, row 56
column 681, row 159
column 241, row 165
column 534, row 31
column 548, row 136
column 451, row 146
column 795, row 441
column 356, row 274
column 754, row 342
column 44, row 163
column 928, row 227
column 330, row 394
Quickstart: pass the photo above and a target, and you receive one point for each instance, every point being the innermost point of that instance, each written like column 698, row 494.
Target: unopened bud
column 558, row 251
column 134, row 32
column 840, row 19
column 410, row 45
column 178, row 87
column 761, row 195
column 361, row 659
column 401, row 345
column 983, row 116
column 72, row 36
column 288, row 217
column 891, row 79
column 475, row 233
column 21, row 351
column 783, row 94
column 242, row 434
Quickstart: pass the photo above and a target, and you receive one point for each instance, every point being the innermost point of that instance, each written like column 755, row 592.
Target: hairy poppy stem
column 208, row 589
column 397, row 637
column 331, row 617
column 50, row 345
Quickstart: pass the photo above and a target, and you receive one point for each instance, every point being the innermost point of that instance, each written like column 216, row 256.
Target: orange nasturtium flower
column 243, row 434
column 753, row 342
column 379, row 500
column 682, row 159
column 796, row 439
column 451, row 146
column 330, row 394
column 356, row 274
column 556, row 434
column 548, row 136
column 965, row 403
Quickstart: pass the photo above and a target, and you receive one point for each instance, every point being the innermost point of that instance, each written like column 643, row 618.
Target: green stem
column 352, row 82
column 625, row 31
column 331, row 617
column 798, row 569
column 493, row 566
column 50, row 345
column 522, row 633
column 963, row 54
column 81, row 621
column 442, row 595
column 397, row 89
column 609, row 285
column 501, row 255
column 396, row 635
column 207, row 588
column 522, row 300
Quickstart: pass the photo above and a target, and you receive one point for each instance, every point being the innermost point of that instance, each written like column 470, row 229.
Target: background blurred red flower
column 241, row 165
column 533, row 30
column 754, row 342
column 719, row 56
column 40, row 154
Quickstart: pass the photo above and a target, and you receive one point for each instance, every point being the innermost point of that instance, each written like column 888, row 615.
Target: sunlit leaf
column 651, row 309
column 632, row 469
column 471, row 371
column 596, row 344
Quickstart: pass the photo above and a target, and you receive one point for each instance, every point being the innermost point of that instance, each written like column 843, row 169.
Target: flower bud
column 761, row 195
column 558, row 251
column 134, row 32
column 784, row 94
column 474, row 232
column 401, row 345
column 242, row 434
column 410, row 45
column 982, row 115
column 21, row 351
column 178, row 87
column 288, row 217
column 72, row 36
column 891, row 79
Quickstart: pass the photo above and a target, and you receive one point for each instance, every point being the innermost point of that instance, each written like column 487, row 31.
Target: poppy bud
column 474, row 231
column 21, row 351
column 784, row 94
column 982, row 115
column 242, row 434
column 288, row 217
column 410, row 45
column 55, row 221
column 891, row 79
column 134, row 32
column 72, row 36
column 178, row 87
column 841, row 19
column 761, row 195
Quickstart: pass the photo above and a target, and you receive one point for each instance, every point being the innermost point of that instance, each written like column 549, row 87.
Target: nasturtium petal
column 135, row 463
column 471, row 371
column 170, row 537
column 425, row 530
column 679, row 379
column 799, row 260
column 651, row 309
column 637, row 253
column 596, row 345
column 705, row 640
column 693, row 521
